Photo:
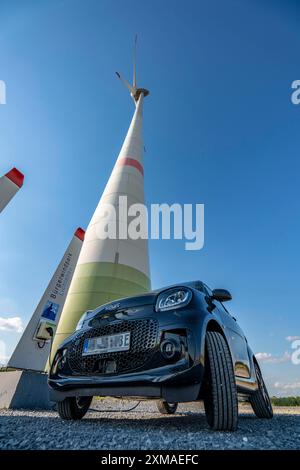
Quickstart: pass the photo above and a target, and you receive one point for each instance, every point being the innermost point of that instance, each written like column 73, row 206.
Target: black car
column 176, row 344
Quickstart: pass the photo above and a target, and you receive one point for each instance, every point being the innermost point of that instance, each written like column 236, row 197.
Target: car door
column 237, row 340
column 235, row 337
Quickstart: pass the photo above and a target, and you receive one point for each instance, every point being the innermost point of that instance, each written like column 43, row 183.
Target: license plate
column 106, row 344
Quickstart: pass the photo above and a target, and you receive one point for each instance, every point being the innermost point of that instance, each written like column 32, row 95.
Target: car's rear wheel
column 260, row 400
column 166, row 408
column 220, row 401
column 73, row 407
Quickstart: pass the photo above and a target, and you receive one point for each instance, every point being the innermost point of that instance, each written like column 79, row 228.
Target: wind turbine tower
column 109, row 269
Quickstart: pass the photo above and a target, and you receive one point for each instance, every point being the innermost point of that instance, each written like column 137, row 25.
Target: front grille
column 142, row 346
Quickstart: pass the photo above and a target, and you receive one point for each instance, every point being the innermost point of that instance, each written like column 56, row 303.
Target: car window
column 200, row 287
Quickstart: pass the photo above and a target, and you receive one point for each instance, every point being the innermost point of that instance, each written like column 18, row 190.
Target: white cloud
column 11, row 324
column 3, row 361
column 286, row 386
column 263, row 356
column 290, row 339
column 270, row 359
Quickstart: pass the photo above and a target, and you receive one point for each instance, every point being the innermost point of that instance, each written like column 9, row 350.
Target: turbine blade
column 134, row 61
column 9, row 186
column 126, row 83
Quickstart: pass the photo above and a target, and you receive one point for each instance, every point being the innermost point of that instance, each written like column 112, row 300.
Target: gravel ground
column 145, row 428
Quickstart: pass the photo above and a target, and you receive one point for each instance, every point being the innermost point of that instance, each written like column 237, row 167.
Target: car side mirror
column 222, row 295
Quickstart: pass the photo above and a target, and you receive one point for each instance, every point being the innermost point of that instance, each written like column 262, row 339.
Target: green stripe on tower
column 95, row 284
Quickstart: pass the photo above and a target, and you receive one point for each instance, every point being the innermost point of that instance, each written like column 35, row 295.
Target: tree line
column 285, row 401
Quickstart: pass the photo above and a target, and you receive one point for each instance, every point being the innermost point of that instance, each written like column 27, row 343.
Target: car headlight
column 174, row 298
column 82, row 320
column 59, row 361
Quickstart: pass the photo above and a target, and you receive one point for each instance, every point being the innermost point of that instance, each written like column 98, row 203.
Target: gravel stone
column 112, row 426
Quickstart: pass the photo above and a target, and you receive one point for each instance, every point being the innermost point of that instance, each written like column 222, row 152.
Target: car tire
column 220, row 399
column 166, row 408
column 260, row 400
column 73, row 407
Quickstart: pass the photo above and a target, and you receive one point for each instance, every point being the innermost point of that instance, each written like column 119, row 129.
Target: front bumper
column 168, row 383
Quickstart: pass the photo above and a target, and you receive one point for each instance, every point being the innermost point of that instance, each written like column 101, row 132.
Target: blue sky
column 219, row 128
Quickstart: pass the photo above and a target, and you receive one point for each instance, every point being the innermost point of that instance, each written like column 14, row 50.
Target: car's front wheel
column 166, row 408
column 73, row 407
column 260, row 400
column 220, row 402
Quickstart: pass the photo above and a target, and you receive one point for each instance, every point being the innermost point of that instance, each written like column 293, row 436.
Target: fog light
column 170, row 349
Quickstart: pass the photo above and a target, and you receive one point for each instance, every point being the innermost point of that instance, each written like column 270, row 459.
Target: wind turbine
column 108, row 269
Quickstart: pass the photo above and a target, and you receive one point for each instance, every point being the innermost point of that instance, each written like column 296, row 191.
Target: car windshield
column 198, row 285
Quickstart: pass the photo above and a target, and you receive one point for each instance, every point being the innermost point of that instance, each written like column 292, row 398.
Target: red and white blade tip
column 80, row 233
column 15, row 176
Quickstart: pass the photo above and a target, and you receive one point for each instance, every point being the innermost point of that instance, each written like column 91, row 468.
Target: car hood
column 118, row 309
column 126, row 302
column 125, row 308
column 148, row 298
